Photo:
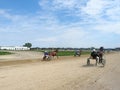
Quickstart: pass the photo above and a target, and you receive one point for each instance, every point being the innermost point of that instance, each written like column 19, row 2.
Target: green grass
column 68, row 53
column 86, row 52
column 65, row 53
column 71, row 53
column 5, row 53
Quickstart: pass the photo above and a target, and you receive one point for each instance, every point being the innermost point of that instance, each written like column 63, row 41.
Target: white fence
column 13, row 48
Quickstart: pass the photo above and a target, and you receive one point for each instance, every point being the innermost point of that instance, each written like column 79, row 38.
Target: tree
column 29, row 45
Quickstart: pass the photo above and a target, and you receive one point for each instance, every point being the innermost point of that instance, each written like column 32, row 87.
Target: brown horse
column 53, row 54
column 50, row 55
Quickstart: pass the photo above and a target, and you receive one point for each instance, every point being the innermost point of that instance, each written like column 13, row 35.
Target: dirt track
column 21, row 55
column 70, row 73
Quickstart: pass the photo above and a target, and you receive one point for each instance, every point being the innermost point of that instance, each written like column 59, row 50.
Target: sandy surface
column 21, row 55
column 65, row 73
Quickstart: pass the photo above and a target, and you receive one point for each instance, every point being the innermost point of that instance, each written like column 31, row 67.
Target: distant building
column 13, row 48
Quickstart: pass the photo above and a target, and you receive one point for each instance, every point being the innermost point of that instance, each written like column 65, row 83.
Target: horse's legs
column 97, row 59
column 57, row 56
column 88, row 61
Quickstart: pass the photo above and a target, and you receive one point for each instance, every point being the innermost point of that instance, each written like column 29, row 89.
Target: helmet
column 101, row 48
column 45, row 51
column 94, row 50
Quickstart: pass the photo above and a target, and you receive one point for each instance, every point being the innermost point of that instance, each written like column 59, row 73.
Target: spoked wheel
column 49, row 57
column 88, row 61
column 44, row 57
column 97, row 60
column 103, row 62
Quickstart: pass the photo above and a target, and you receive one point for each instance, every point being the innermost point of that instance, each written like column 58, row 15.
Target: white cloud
column 109, row 27
column 95, row 7
column 2, row 11
column 99, row 9
column 56, row 3
column 66, row 36
column 69, row 4
column 47, row 39
column 114, row 13
column 72, row 37
column 73, row 33
column 7, row 15
column 46, row 27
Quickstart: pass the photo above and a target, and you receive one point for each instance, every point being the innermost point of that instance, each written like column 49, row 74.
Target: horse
column 50, row 55
column 77, row 53
column 53, row 53
column 98, row 56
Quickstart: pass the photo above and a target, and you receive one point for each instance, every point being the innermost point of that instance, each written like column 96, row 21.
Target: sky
column 60, row 23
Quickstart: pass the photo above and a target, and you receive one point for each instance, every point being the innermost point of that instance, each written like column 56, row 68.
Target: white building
column 13, row 48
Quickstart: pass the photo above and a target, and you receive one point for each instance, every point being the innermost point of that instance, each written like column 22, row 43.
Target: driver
column 93, row 54
column 101, row 52
column 46, row 54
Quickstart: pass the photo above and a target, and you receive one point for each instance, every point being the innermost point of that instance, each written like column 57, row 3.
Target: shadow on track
column 93, row 65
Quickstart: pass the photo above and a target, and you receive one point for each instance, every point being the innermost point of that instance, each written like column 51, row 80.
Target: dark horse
column 77, row 53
